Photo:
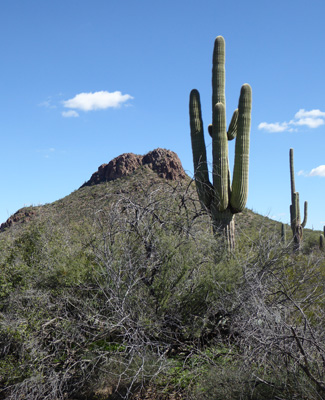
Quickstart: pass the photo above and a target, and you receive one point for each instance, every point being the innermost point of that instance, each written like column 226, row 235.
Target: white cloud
column 311, row 119
column 310, row 122
column 275, row 127
column 69, row 114
column 313, row 113
column 97, row 100
column 318, row 171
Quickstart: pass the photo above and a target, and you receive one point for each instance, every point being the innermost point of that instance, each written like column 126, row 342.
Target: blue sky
column 84, row 81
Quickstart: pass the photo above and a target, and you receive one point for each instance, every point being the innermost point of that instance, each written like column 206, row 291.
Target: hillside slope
column 120, row 290
column 126, row 175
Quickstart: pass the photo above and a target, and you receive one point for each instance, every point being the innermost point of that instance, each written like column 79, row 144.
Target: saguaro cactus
column 321, row 241
column 283, row 234
column 295, row 219
column 222, row 199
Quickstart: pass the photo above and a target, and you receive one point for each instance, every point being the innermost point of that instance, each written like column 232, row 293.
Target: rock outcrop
column 23, row 215
column 164, row 162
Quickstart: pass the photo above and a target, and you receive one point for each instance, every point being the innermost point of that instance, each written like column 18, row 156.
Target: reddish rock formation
column 23, row 215
column 165, row 162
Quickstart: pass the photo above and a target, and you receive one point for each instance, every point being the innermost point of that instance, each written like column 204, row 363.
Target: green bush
column 142, row 295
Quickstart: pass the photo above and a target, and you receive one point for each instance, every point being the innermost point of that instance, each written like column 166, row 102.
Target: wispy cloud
column 47, row 103
column 46, row 153
column 318, row 171
column 97, row 100
column 70, row 114
column 311, row 119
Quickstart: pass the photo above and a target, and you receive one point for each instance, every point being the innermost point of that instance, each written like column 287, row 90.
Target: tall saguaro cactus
column 222, row 199
column 295, row 219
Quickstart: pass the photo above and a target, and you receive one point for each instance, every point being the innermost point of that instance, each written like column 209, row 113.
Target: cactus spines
column 222, row 199
column 220, row 157
column 295, row 218
column 203, row 184
column 218, row 72
column 241, row 166
column 232, row 130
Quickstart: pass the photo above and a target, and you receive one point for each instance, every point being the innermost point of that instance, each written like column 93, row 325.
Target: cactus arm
column 232, row 130
column 241, row 166
column 199, row 151
column 304, row 222
column 218, row 73
column 292, row 174
column 210, row 129
column 220, row 157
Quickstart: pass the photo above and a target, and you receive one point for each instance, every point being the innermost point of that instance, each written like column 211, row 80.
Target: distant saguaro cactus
column 283, row 234
column 222, row 199
column 295, row 219
column 321, row 241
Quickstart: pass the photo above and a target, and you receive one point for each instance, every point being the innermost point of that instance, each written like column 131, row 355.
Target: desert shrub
column 280, row 325
column 143, row 295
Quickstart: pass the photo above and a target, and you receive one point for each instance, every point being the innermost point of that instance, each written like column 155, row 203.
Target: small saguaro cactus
column 283, row 234
column 222, row 199
column 296, row 225
column 322, row 239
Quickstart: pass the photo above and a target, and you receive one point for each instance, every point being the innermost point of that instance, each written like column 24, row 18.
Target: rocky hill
column 164, row 162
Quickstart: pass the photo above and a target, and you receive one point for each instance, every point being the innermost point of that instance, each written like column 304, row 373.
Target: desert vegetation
column 127, row 288
column 295, row 218
column 120, row 290
column 223, row 199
